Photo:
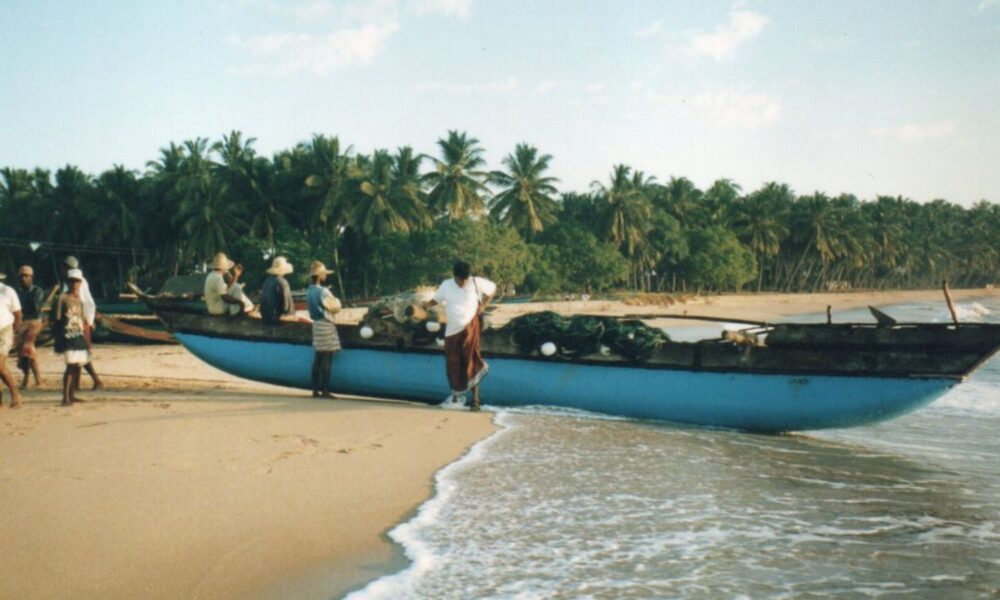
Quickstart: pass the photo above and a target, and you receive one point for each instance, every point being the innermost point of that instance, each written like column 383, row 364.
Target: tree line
column 390, row 220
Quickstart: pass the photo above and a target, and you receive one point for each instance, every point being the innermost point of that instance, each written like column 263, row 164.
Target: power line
column 35, row 246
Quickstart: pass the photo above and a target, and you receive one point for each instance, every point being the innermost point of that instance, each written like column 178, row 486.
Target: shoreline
column 182, row 481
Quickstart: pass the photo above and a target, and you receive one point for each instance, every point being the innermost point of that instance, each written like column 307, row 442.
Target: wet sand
column 180, row 481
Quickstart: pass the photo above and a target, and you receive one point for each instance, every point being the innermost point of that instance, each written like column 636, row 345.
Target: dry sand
column 184, row 482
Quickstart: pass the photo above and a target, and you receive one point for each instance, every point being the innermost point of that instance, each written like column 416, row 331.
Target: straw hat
column 75, row 274
column 318, row 268
column 280, row 266
column 2, row 277
column 26, row 270
column 71, row 262
column 222, row 262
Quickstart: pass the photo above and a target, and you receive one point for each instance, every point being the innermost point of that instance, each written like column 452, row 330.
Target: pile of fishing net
column 583, row 334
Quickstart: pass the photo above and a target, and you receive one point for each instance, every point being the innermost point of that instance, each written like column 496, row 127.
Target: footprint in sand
column 300, row 445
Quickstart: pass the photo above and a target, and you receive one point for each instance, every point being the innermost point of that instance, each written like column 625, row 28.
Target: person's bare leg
column 317, row 362
column 8, row 380
column 474, row 407
column 67, row 387
column 25, row 367
column 36, row 371
column 98, row 384
column 325, row 374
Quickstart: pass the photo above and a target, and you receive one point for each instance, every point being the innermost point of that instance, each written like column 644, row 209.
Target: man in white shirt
column 10, row 319
column 89, row 312
column 464, row 298
column 219, row 298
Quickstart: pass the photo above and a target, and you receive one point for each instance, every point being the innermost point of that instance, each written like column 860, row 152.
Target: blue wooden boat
column 804, row 377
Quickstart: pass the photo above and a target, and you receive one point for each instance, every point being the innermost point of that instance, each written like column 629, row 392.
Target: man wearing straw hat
column 10, row 319
column 275, row 294
column 322, row 306
column 218, row 300
column 32, row 298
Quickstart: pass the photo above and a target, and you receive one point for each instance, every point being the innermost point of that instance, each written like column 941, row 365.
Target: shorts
column 77, row 357
column 6, row 340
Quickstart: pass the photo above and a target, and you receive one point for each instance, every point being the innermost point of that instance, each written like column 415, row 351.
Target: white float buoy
column 433, row 326
column 439, row 341
column 366, row 332
column 605, row 350
column 548, row 348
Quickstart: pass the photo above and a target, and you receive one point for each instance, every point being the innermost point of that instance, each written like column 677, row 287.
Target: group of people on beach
column 464, row 297
column 71, row 317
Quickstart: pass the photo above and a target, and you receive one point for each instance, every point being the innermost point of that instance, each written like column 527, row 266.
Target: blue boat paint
column 746, row 401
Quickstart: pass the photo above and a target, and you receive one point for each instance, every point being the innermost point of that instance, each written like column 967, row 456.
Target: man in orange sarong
column 464, row 298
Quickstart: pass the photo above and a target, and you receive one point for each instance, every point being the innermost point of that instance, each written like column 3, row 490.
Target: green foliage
column 570, row 258
column 717, row 260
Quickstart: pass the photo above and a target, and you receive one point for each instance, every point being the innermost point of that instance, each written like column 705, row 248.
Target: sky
column 891, row 97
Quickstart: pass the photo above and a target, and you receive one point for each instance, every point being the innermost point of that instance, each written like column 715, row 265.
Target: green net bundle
column 584, row 334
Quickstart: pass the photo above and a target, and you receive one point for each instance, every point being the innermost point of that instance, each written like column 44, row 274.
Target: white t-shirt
column 215, row 287
column 461, row 303
column 9, row 304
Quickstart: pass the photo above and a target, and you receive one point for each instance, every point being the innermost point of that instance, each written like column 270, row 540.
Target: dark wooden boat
column 802, row 377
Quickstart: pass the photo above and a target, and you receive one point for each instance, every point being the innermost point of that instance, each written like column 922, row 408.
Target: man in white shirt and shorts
column 10, row 319
column 464, row 298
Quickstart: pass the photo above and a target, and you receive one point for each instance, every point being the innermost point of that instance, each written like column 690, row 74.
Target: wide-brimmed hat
column 71, row 262
column 318, row 268
column 26, row 270
column 280, row 266
column 75, row 274
column 222, row 262
column 2, row 277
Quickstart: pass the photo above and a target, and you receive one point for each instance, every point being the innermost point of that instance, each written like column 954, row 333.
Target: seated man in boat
column 235, row 290
column 276, row 295
column 464, row 298
column 323, row 305
column 218, row 300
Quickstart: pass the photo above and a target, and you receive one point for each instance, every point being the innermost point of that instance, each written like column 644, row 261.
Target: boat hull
column 747, row 401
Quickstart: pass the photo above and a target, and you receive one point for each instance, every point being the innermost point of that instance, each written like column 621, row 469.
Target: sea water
column 562, row 504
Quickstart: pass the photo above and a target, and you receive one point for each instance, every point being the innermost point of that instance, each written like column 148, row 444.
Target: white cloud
column 728, row 108
column 653, row 29
column 918, row 132
column 506, row 86
column 721, row 44
column 451, row 8
column 314, row 10
column 594, row 87
column 287, row 53
column 550, row 85
column 985, row 5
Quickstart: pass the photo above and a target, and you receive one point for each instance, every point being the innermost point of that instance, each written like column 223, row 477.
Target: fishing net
column 584, row 334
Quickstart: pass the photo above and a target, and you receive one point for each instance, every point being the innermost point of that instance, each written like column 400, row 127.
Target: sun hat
column 318, row 268
column 281, row 266
column 2, row 277
column 26, row 270
column 222, row 262
column 75, row 274
column 71, row 262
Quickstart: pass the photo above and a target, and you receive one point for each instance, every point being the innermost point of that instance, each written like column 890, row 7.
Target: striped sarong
column 325, row 338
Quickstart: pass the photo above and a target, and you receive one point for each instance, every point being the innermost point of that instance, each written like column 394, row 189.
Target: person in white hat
column 218, row 299
column 89, row 313
column 72, row 331
column 32, row 298
column 275, row 294
column 323, row 305
column 10, row 319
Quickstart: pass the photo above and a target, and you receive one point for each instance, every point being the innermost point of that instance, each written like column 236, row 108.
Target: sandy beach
column 180, row 481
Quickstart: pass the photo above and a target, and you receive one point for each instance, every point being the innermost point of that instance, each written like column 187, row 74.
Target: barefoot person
column 69, row 322
column 10, row 319
column 322, row 306
column 464, row 298
column 32, row 298
column 89, row 313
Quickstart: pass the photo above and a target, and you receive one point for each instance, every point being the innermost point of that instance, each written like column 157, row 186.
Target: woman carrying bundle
column 323, row 305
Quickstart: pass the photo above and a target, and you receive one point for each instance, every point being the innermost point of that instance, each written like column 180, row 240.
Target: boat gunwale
column 617, row 364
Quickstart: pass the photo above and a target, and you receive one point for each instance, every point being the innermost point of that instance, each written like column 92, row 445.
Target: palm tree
column 457, row 188
column 625, row 215
column 759, row 222
column 328, row 180
column 207, row 219
column 525, row 200
column 242, row 177
column 116, row 195
column 682, row 199
column 381, row 205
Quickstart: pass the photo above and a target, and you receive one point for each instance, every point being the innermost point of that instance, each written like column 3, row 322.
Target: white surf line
column 408, row 535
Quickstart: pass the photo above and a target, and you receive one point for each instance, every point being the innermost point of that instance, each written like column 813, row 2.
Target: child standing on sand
column 72, row 334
